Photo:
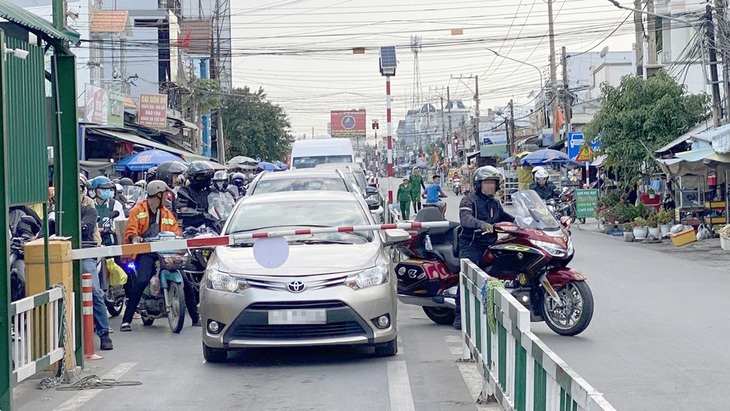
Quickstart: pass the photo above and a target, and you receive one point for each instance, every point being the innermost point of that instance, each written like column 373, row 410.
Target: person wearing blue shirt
column 433, row 194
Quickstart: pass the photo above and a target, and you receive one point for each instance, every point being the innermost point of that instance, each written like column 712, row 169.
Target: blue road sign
column 575, row 142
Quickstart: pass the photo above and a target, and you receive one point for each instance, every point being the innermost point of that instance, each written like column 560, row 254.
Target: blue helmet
column 101, row 182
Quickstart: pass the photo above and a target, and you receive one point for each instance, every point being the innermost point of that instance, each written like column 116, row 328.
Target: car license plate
column 297, row 317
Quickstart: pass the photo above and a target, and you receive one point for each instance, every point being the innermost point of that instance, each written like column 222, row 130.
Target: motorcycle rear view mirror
column 114, row 215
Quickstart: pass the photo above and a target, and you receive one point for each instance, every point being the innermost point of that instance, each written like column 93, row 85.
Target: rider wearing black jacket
column 191, row 202
column 543, row 187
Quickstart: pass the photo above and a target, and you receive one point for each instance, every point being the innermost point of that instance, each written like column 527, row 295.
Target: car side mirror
column 372, row 203
column 395, row 236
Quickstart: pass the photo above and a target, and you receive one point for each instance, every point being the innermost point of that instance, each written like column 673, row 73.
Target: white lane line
column 400, row 346
column 83, row 397
column 399, row 386
column 452, row 339
column 455, row 350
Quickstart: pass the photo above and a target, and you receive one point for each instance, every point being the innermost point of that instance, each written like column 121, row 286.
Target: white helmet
column 536, row 169
column 541, row 174
column 156, row 187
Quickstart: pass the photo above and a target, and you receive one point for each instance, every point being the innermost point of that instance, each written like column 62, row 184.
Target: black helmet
column 126, row 181
column 167, row 170
column 199, row 174
column 485, row 173
column 238, row 179
column 151, row 174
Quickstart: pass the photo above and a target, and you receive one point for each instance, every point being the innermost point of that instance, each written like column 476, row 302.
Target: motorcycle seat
column 430, row 214
column 444, row 252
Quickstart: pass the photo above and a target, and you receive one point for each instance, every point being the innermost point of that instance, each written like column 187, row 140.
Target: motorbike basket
column 173, row 261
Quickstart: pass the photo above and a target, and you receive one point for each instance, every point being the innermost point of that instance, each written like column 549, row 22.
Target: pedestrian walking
column 404, row 197
column 416, row 186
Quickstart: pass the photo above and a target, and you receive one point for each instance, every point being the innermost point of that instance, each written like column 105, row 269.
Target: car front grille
column 296, row 332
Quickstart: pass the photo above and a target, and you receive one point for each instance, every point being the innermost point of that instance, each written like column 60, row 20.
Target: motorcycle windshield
column 532, row 211
column 220, row 204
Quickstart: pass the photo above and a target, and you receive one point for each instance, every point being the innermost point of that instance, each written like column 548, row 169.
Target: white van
column 321, row 150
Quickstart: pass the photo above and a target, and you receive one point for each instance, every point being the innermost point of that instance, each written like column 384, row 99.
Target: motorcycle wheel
column 574, row 317
column 582, row 220
column 115, row 306
column 176, row 315
column 439, row 315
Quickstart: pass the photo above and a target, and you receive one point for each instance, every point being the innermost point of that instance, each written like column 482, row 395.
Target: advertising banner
column 115, row 109
column 585, row 202
column 152, row 110
column 96, row 105
column 493, row 137
column 348, row 123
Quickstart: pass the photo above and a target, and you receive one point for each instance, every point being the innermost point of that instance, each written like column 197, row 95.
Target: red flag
column 184, row 42
column 436, row 157
column 559, row 120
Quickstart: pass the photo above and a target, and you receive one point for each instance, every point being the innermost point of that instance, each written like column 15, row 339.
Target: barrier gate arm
column 233, row 239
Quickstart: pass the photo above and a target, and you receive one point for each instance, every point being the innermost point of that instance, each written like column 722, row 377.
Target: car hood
column 304, row 259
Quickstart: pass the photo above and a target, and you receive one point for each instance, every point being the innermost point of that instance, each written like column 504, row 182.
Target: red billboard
column 152, row 110
column 347, row 123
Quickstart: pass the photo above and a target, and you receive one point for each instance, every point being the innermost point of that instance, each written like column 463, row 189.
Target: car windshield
column 312, row 161
column 299, row 184
column 532, row 211
column 302, row 214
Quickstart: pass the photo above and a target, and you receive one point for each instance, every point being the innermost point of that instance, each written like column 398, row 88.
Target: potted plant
column 628, row 232
column 639, row 228
column 665, row 218
column 652, row 223
column 651, row 193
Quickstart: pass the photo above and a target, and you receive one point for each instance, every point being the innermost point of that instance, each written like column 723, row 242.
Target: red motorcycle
column 531, row 258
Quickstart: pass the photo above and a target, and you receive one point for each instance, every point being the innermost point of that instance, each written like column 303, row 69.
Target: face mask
column 107, row 194
column 220, row 185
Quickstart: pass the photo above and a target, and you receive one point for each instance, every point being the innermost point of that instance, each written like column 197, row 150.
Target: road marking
column 83, row 397
column 399, row 386
column 400, row 346
column 453, row 339
column 455, row 350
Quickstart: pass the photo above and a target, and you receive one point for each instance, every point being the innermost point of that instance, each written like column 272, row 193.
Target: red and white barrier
column 171, row 245
column 88, row 298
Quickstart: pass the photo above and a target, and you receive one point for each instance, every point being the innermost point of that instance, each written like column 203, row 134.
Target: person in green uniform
column 416, row 186
column 404, row 197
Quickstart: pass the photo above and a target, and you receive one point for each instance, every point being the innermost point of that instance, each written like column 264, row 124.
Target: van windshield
column 312, row 161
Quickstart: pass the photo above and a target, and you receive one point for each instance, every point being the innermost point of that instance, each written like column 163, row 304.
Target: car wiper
column 275, row 226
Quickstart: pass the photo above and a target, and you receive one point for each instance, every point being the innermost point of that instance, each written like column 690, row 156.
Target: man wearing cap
column 146, row 219
column 404, row 198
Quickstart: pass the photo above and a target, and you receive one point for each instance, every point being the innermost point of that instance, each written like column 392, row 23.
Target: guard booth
column 37, row 110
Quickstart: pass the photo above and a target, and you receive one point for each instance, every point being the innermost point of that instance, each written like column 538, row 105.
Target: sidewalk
column 707, row 251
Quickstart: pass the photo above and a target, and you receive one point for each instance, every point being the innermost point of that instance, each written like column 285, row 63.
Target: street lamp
column 542, row 83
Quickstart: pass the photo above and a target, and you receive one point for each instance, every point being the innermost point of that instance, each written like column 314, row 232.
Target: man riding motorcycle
column 191, row 203
column 237, row 188
column 544, row 188
column 146, row 219
column 478, row 212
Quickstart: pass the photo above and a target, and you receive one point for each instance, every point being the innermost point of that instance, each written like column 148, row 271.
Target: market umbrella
column 267, row 166
column 512, row 159
column 243, row 160
column 244, row 167
column 547, row 156
column 217, row 166
column 143, row 160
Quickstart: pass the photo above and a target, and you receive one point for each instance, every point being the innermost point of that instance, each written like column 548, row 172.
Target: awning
column 135, row 139
column 702, row 154
column 694, row 132
column 185, row 123
column 36, row 24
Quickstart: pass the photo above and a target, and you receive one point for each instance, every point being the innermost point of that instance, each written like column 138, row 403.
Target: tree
column 255, row 127
column 640, row 116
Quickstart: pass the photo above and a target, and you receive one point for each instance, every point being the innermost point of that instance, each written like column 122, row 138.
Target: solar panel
column 387, row 57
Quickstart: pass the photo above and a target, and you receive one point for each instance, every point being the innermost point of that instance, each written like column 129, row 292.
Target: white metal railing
column 519, row 370
column 38, row 326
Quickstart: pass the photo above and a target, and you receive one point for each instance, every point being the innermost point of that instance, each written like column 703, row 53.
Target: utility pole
column 476, row 129
column 639, row 39
column 567, row 105
column 713, row 66
column 651, row 33
column 721, row 7
column 553, row 74
column 443, row 124
column 448, row 104
column 511, row 142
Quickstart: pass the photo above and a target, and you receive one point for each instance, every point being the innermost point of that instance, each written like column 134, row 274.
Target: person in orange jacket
column 146, row 219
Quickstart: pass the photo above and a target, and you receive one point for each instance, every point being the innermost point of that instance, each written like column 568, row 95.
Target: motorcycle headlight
column 553, row 249
column 223, row 282
column 570, row 250
column 368, row 278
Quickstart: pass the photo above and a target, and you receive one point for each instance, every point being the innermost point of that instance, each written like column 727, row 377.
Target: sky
column 300, row 51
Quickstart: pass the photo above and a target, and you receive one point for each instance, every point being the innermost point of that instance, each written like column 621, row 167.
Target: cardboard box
column 58, row 251
column 685, row 237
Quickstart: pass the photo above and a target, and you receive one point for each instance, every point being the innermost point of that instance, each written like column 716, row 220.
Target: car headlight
column 223, row 282
column 368, row 278
column 554, row 249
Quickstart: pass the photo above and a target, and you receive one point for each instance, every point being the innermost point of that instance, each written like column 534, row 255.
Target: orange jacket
column 139, row 221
